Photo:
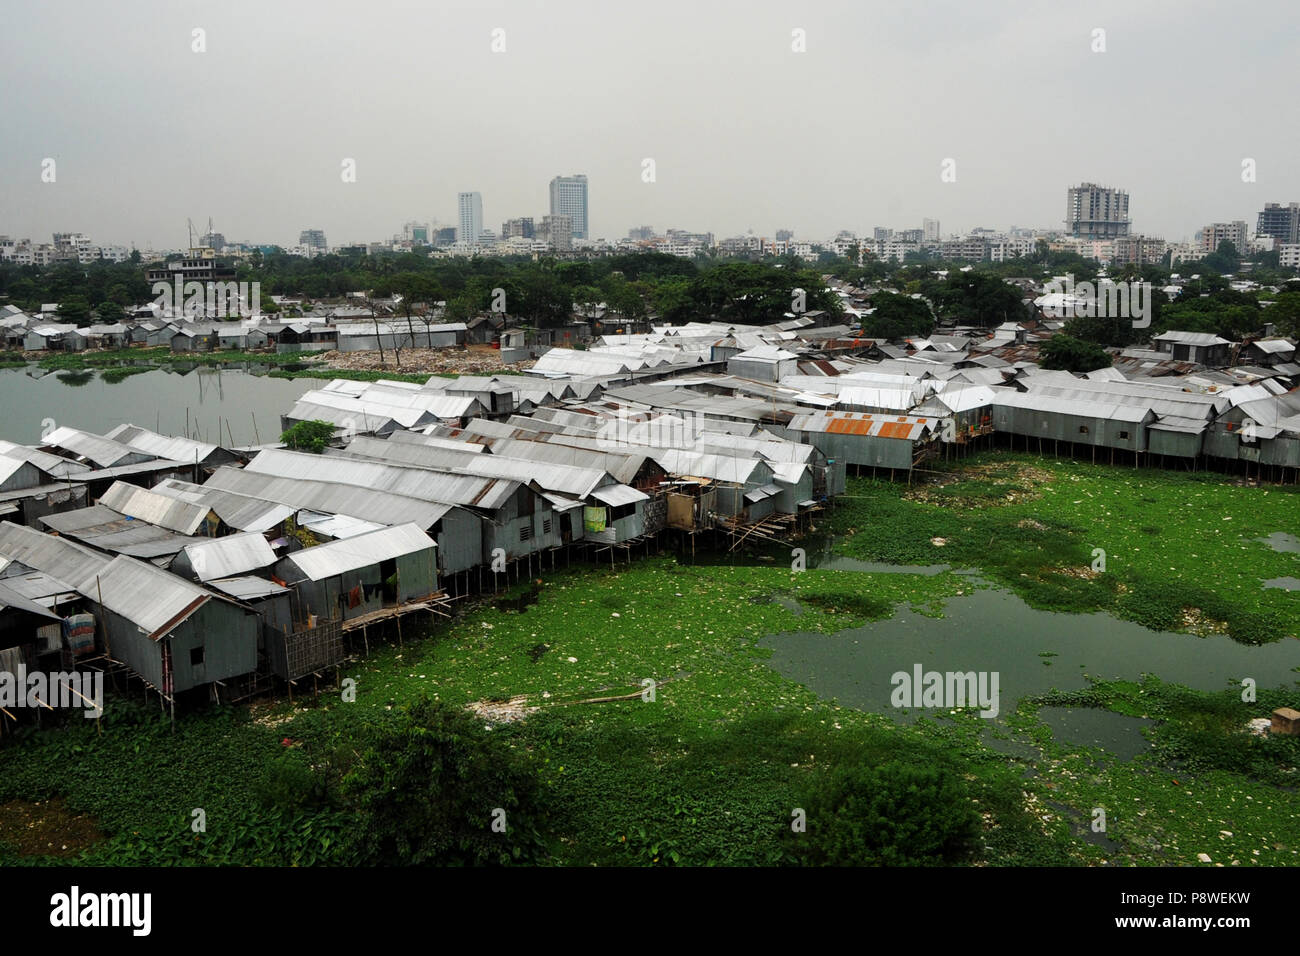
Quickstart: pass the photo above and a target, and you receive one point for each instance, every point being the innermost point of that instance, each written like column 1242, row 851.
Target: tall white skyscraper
column 469, row 207
column 930, row 229
column 569, row 198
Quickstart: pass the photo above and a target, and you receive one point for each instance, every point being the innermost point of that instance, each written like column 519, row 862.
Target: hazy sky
column 744, row 132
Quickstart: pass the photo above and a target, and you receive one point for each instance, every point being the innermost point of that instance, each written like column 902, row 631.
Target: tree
column 894, row 814
column 310, row 436
column 1225, row 259
column 975, row 298
column 1285, row 313
column 110, row 312
column 672, row 299
column 415, row 288
column 76, row 310
column 1064, row 351
column 435, row 788
column 897, row 316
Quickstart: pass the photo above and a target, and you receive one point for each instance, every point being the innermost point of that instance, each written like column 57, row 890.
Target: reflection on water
column 1090, row 727
column 992, row 630
column 1281, row 541
column 1286, row 584
column 230, row 406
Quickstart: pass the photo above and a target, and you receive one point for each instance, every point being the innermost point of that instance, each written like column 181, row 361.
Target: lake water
column 1032, row 651
column 243, row 405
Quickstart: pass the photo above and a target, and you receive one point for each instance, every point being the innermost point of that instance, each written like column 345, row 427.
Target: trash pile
column 451, row 360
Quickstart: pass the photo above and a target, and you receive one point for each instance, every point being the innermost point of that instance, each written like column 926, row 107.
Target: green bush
column 310, row 436
column 893, row 814
column 434, row 788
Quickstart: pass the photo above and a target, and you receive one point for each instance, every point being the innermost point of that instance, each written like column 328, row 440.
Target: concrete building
column 1209, row 237
column 469, row 213
column 558, row 231
column 1281, row 222
column 313, row 240
column 1137, row 250
column 518, row 228
column 569, row 198
column 1096, row 212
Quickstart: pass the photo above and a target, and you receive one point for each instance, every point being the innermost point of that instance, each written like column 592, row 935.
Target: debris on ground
column 502, row 711
column 463, row 361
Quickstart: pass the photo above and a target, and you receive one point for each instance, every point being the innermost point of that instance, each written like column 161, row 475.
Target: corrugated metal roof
column 1173, row 423
column 183, row 517
column 368, row 504
column 112, row 531
column 241, row 512
column 561, row 503
column 415, row 438
column 758, row 494
column 229, row 556
column 12, row 466
column 426, row 484
column 1191, row 338
column 616, row 495
column 623, row 467
column 717, row 467
column 247, row 588
column 1273, row 346
column 12, row 600
column 161, row 446
column 45, row 589
column 408, row 453
column 337, row 557
column 353, row 419
column 902, row 427
column 154, row 600
column 53, row 465
column 103, row 452
column 335, row 526
column 1086, row 406
column 65, row 560
column 864, row 396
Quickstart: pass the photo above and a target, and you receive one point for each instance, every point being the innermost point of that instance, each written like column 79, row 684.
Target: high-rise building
column 880, row 233
column 518, row 228
column 213, row 240
column 469, row 211
column 930, row 229
column 1096, row 212
column 313, row 240
column 416, row 233
column 784, row 235
column 640, row 233
column 1209, row 237
column 569, row 198
column 1281, row 222
column 558, row 231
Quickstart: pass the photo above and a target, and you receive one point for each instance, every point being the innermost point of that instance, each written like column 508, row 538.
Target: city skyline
column 1038, row 107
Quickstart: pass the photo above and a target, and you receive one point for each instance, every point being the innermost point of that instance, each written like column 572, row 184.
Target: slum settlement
column 210, row 572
